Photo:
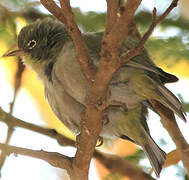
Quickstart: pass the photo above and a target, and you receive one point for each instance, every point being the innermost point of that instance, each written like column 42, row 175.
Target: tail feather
column 171, row 101
column 156, row 155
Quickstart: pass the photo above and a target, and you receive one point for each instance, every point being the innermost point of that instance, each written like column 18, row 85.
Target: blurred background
column 21, row 92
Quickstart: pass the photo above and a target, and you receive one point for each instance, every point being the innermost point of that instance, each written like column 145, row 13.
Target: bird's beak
column 17, row 52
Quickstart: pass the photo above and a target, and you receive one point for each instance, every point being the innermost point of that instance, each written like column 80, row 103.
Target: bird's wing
column 143, row 61
column 70, row 75
column 147, row 87
column 162, row 75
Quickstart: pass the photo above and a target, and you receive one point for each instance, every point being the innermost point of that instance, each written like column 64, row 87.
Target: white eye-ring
column 31, row 44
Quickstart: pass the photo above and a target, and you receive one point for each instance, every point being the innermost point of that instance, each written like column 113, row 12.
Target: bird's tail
column 170, row 101
column 156, row 155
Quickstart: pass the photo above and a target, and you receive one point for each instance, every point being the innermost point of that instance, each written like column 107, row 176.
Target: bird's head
column 41, row 40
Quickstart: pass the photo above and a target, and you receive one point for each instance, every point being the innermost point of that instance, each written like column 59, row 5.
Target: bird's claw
column 119, row 104
column 101, row 141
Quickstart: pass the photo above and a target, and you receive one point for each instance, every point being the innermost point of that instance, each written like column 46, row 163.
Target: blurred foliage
column 112, row 176
column 186, row 107
column 143, row 18
column 85, row 19
column 175, row 47
column 135, row 158
column 171, row 48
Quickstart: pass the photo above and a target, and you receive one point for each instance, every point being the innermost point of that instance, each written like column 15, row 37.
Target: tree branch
column 52, row 7
column 53, row 158
column 15, row 122
column 155, row 21
column 17, row 84
column 111, row 17
column 80, row 47
column 169, row 122
column 114, row 37
column 119, row 165
column 65, row 15
column 114, row 163
column 64, row 141
column 91, row 123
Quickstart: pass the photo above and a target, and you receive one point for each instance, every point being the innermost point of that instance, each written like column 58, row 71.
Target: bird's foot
column 101, row 141
column 119, row 104
column 110, row 105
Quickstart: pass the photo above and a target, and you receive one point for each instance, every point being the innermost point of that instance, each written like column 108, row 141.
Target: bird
column 47, row 48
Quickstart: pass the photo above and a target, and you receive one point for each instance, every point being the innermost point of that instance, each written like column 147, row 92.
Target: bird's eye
column 31, row 44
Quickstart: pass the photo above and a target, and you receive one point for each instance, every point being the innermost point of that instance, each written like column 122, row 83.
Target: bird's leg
column 105, row 119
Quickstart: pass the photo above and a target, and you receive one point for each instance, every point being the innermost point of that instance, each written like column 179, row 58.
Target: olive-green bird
column 46, row 47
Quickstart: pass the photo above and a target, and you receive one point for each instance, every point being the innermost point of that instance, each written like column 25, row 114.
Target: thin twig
column 53, row 158
column 15, row 122
column 155, row 21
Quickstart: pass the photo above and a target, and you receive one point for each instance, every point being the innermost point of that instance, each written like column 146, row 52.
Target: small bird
column 46, row 47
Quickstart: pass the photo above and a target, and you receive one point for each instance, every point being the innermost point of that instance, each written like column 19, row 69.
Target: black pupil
column 32, row 44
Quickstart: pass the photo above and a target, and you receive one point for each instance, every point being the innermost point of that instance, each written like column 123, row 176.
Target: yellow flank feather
column 130, row 124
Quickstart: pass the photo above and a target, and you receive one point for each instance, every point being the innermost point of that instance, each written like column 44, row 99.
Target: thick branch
column 91, row 124
column 113, row 7
column 113, row 38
